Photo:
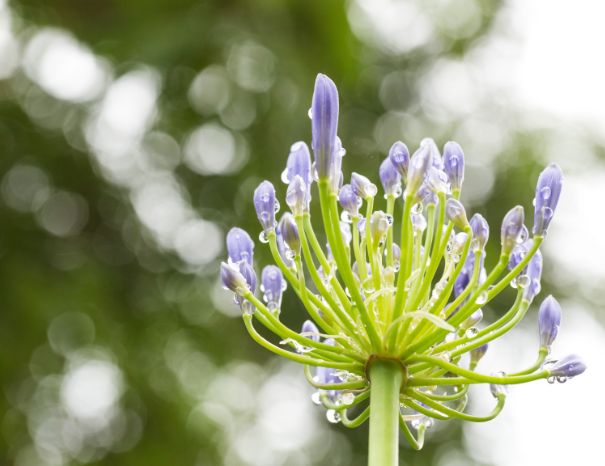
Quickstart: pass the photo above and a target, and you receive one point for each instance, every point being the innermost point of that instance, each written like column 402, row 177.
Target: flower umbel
column 402, row 289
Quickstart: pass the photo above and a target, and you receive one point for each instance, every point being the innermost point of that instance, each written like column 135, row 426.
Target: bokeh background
column 132, row 134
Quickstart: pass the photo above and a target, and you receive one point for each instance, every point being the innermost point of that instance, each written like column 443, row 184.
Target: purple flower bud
column 289, row 232
column 233, row 279
column 534, row 272
column 462, row 281
column 390, row 178
column 328, row 375
column 569, row 366
column 349, row 200
column 456, row 213
column 518, row 254
column 310, row 331
column 480, row 229
column 296, row 196
column 399, row 155
column 240, row 246
column 426, row 195
column 362, row 186
column 324, row 114
column 437, row 180
column 379, row 224
column 272, row 285
column 265, row 205
column 299, row 163
column 336, row 175
column 453, row 162
column 477, row 353
column 548, row 191
column 549, row 319
column 249, row 275
column 419, row 165
column 436, row 160
column 284, row 251
column 512, row 227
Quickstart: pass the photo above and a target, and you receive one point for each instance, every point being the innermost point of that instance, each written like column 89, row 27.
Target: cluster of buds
column 407, row 284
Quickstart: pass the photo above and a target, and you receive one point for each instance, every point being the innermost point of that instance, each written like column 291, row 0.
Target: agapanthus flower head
column 401, row 287
column 548, row 191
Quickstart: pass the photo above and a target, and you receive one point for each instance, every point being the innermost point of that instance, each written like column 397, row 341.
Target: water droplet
column 513, row 283
column 277, row 206
column 551, row 379
column 332, row 416
column 545, row 193
column 417, row 208
column 316, row 398
column 272, row 306
column 561, row 379
column 347, row 398
column 472, row 332
column 284, row 176
column 310, row 113
column 345, row 216
column 455, row 258
column 523, row 281
column 371, row 190
column 342, row 152
column 481, row 299
column 547, row 213
column 263, row 237
column 290, row 254
column 533, row 202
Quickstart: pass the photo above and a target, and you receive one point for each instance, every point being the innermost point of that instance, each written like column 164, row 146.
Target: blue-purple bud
column 419, row 166
column 518, row 254
column 399, row 155
column 390, row 178
column 549, row 319
column 512, row 227
column 309, row 330
column 324, row 114
column 456, row 213
column 299, row 163
column 477, row 354
column 249, row 275
column 362, row 186
column 568, row 367
column 297, row 196
column 548, row 191
column 480, row 229
column 272, row 285
column 289, row 232
column 265, row 205
column 240, row 246
column 284, row 251
column 453, row 163
column 349, row 200
column 426, row 195
column 233, row 279
column 437, row 180
column 534, row 273
column 436, row 160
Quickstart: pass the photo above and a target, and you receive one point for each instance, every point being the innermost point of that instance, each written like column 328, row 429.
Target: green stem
column 386, row 378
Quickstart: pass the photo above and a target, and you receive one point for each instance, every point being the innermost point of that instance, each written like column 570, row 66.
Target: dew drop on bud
column 551, row 379
column 347, row 398
column 523, row 281
column 561, row 379
column 332, row 416
column 481, row 299
column 263, row 238
column 310, row 113
column 545, row 193
column 316, row 398
column 284, row 176
column 346, row 217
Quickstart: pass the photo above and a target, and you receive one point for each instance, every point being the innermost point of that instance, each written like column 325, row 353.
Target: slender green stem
column 386, row 378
